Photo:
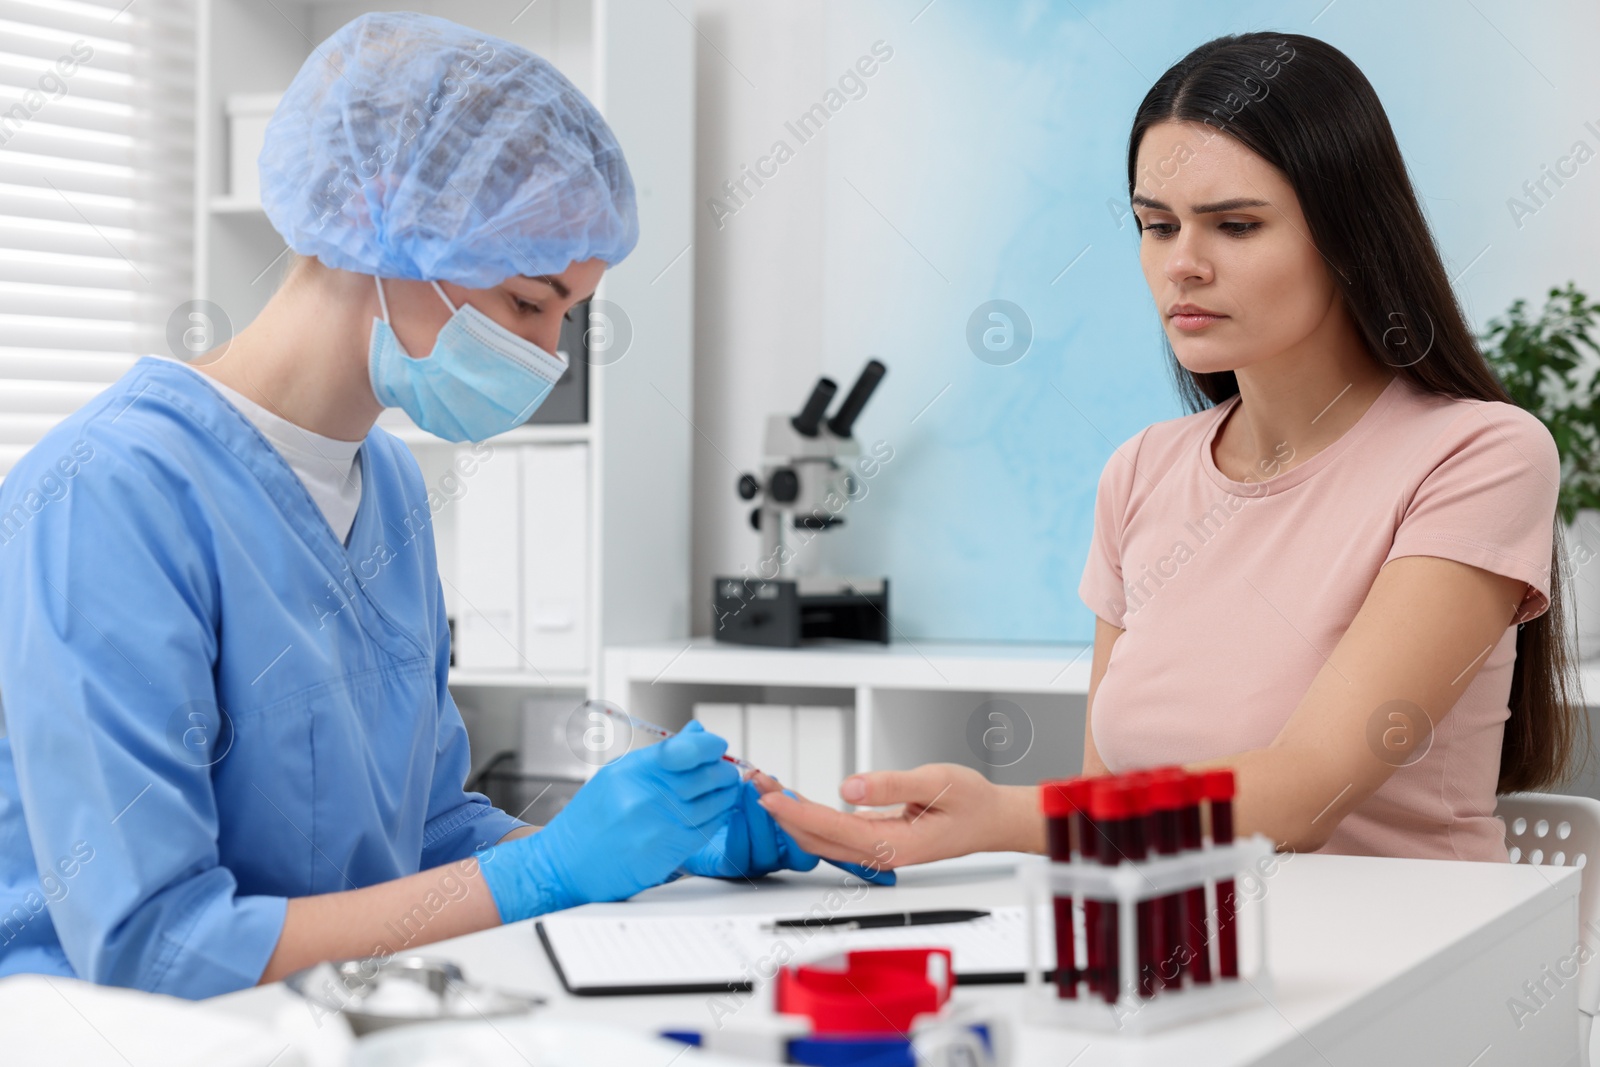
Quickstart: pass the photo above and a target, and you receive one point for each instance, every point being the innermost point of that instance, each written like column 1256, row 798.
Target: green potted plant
column 1548, row 365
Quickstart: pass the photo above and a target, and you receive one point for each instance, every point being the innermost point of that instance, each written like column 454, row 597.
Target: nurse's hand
column 941, row 810
column 749, row 844
column 627, row 829
column 752, row 844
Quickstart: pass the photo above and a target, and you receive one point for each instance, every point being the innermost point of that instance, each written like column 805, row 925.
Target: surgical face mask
column 480, row 379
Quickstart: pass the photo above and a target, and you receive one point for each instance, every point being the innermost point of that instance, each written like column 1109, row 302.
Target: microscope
column 809, row 473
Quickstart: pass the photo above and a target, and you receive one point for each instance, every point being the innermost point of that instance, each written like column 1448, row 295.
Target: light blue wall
column 989, row 152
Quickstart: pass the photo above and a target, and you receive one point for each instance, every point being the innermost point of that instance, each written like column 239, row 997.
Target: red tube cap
column 1194, row 789
column 1218, row 784
column 1136, row 787
column 1077, row 790
column 1108, row 799
column 1167, row 790
column 1056, row 799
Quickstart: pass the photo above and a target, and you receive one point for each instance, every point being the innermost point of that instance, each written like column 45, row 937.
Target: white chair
column 1563, row 831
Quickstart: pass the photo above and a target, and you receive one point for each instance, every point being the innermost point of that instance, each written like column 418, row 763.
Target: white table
column 1374, row 962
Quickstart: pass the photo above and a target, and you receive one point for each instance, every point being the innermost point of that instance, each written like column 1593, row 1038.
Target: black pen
column 872, row 922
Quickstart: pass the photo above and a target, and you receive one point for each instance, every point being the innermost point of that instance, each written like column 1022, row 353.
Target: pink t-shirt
column 1233, row 593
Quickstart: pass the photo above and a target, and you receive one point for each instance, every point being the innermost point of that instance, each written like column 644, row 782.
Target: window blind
column 96, row 198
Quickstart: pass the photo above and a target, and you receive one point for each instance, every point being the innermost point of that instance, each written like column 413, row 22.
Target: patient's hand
column 943, row 809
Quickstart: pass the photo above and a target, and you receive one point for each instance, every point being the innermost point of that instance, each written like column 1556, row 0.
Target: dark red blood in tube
column 1136, row 849
column 1219, row 791
column 1166, row 803
column 1108, row 807
column 1088, row 845
column 1197, row 961
column 1056, row 800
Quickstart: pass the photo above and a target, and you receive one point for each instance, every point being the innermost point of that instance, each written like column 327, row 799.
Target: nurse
column 228, row 749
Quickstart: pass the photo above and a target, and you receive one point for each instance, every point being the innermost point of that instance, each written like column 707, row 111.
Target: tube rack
column 1125, row 885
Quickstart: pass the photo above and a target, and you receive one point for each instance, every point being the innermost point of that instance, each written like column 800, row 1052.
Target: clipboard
column 628, row 955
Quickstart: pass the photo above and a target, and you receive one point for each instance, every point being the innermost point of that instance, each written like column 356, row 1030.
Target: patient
column 1339, row 575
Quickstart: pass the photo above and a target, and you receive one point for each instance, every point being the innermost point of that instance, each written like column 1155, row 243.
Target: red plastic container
column 874, row 991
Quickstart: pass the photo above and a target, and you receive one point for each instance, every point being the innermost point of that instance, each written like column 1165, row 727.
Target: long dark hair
column 1304, row 107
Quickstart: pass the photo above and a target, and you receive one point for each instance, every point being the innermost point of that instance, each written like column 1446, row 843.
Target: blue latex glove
column 749, row 845
column 627, row 829
column 752, row 844
column 877, row 876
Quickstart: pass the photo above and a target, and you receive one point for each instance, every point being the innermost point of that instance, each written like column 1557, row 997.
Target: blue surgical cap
column 412, row 147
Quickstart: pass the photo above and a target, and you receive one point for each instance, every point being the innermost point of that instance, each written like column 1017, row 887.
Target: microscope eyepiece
column 844, row 420
column 810, row 416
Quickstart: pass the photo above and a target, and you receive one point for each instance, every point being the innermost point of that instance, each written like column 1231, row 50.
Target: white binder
column 819, row 749
column 726, row 721
column 769, row 739
column 555, row 557
column 488, row 582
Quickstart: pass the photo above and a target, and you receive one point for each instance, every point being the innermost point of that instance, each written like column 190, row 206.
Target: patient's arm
column 1421, row 635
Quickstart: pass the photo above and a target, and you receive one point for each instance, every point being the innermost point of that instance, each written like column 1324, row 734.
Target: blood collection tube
column 1136, row 848
column 1197, row 961
column 1108, row 809
column 1058, row 812
column 1219, row 791
column 1088, row 843
column 1165, row 839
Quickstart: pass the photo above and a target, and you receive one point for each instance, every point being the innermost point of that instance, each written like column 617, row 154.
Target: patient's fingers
column 883, row 859
column 836, row 829
column 877, row 788
column 816, row 818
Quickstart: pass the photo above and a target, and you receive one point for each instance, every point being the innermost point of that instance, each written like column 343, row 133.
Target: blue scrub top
column 210, row 703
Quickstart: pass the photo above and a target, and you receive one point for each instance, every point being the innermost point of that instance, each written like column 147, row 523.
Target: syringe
column 650, row 728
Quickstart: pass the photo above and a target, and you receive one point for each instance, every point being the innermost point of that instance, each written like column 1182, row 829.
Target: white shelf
column 517, row 679
column 1014, row 712
column 992, row 668
column 978, row 667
